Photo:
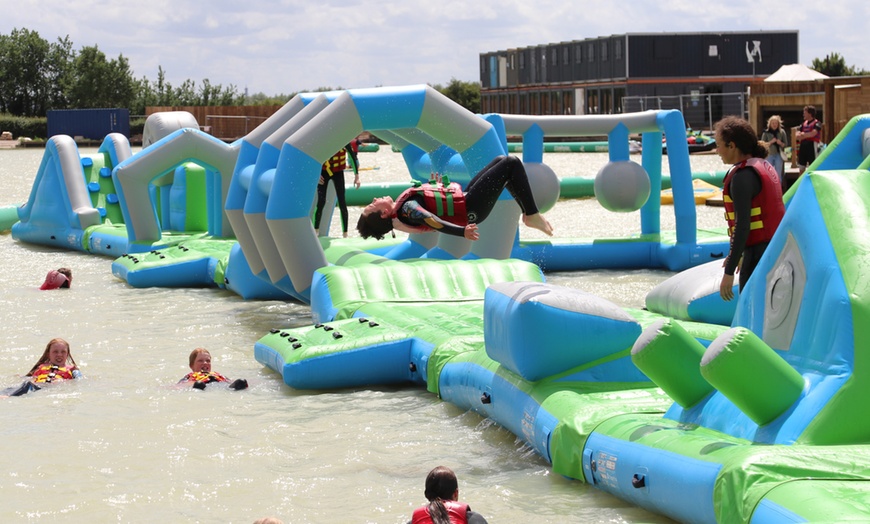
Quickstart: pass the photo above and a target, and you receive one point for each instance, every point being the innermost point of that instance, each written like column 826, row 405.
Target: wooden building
column 836, row 100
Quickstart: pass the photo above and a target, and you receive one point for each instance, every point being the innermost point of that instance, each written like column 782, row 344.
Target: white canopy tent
column 794, row 72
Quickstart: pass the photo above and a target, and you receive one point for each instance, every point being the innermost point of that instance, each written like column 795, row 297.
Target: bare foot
column 537, row 221
column 344, row 234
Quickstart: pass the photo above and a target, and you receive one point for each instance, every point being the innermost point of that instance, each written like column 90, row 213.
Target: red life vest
column 337, row 163
column 767, row 207
column 456, row 510
column 200, row 376
column 807, row 126
column 49, row 373
column 447, row 203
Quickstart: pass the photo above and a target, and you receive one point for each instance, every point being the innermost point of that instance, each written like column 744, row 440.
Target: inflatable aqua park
column 756, row 419
column 190, row 210
column 685, row 408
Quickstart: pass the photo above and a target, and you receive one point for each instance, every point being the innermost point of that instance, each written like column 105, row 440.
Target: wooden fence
column 227, row 123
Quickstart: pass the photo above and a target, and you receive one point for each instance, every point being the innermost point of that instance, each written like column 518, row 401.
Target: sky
column 287, row 46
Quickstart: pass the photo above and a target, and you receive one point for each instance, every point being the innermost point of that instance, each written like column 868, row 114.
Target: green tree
column 835, row 65
column 466, row 94
column 24, row 63
column 98, row 82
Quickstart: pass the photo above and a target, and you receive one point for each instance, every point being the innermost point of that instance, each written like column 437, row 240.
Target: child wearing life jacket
column 442, row 492
column 443, row 207
column 55, row 365
column 201, row 373
column 60, row 278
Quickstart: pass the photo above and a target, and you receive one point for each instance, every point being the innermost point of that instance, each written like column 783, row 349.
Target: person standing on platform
column 333, row 170
column 753, row 199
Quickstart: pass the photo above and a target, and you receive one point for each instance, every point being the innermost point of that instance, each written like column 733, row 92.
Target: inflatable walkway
column 759, row 421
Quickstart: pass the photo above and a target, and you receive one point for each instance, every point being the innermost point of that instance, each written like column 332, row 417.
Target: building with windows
column 705, row 75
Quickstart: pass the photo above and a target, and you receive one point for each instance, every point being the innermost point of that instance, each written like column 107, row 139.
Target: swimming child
column 443, row 207
column 60, row 278
column 201, row 373
column 442, row 492
column 55, row 365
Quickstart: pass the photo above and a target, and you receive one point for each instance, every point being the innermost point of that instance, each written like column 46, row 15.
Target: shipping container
column 91, row 124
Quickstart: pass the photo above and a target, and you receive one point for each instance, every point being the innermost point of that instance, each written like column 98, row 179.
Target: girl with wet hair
column 55, row 365
column 442, row 492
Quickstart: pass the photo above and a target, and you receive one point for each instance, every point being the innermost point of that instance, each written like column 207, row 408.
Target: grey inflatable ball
column 544, row 184
column 622, row 186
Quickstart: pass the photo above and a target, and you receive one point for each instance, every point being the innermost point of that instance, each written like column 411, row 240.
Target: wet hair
column 441, row 485
column 45, row 355
column 195, row 353
column 740, row 133
column 67, row 272
column 374, row 225
column 811, row 110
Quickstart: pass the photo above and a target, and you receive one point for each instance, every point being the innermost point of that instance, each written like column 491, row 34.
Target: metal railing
column 700, row 111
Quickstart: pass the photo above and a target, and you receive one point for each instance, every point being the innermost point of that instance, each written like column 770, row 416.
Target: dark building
column 705, row 75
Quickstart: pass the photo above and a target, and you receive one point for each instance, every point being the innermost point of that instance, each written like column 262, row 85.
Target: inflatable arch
column 286, row 183
column 133, row 179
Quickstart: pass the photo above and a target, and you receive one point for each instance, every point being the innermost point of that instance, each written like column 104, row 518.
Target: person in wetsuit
column 333, row 170
column 753, row 199
column 446, row 209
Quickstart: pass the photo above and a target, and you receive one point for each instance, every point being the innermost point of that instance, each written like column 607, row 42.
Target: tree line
column 37, row 75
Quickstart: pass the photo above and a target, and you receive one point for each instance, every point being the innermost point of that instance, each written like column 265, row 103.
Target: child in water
column 201, row 373
column 60, row 278
column 444, row 507
column 55, row 365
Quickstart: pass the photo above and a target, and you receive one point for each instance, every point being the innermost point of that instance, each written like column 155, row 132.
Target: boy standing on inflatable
column 333, row 170
column 443, row 207
column 753, row 199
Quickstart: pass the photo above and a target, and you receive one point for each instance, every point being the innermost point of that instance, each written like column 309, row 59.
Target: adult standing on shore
column 776, row 139
column 809, row 136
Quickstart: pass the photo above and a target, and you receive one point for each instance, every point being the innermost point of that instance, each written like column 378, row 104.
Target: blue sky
column 285, row 46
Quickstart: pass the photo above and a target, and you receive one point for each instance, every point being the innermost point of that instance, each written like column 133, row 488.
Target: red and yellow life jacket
column 47, row 373
column 337, row 163
column 445, row 202
column 457, row 511
column 767, row 207
column 208, row 378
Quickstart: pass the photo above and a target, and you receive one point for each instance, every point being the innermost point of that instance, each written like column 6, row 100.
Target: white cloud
column 290, row 45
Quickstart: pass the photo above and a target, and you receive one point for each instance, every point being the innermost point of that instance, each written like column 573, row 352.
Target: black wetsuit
column 745, row 185
column 337, row 178
column 481, row 194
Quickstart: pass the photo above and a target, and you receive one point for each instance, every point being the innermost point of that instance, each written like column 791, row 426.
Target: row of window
column 580, row 49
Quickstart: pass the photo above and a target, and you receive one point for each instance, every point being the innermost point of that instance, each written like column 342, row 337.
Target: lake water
column 124, row 445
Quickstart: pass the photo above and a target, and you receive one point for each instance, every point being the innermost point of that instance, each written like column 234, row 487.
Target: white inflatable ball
column 544, row 184
column 622, row 186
